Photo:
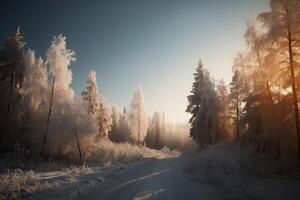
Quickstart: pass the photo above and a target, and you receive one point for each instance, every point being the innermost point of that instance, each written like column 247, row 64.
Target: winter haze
column 156, row 44
column 150, row 99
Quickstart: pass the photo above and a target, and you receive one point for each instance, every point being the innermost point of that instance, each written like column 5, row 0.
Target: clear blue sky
column 156, row 44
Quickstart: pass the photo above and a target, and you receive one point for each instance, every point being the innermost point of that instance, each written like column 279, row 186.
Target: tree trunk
column 48, row 119
column 245, row 78
column 237, row 117
column 12, row 80
column 270, row 94
column 139, row 133
column 78, row 144
column 294, row 89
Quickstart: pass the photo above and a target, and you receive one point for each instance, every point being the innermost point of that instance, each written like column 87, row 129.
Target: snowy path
column 156, row 179
column 147, row 179
column 153, row 179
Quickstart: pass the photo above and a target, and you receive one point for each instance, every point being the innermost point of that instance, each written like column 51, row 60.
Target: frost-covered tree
column 104, row 119
column 120, row 126
column 264, row 89
column 163, row 123
column 236, row 100
column 91, row 95
column 124, row 126
column 137, row 118
column 153, row 138
column 35, row 81
column 34, row 103
column 98, row 112
column 114, row 134
column 282, row 32
column 225, row 112
column 58, row 59
column 203, row 105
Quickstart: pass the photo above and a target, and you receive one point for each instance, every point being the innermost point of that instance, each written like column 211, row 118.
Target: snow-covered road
column 151, row 178
column 157, row 178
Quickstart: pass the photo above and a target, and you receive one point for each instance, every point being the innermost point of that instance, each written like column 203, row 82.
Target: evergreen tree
column 91, row 96
column 114, row 134
column 124, row 126
column 104, row 119
column 153, row 138
column 203, row 105
column 97, row 110
column 12, row 72
column 236, row 100
column 11, row 80
column 225, row 112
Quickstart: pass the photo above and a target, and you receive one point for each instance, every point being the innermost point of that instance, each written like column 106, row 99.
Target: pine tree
column 97, row 110
column 104, row 119
column 153, row 138
column 91, row 95
column 225, row 111
column 11, row 80
column 236, row 100
column 114, row 134
column 124, row 126
column 203, row 105
column 163, row 123
column 12, row 71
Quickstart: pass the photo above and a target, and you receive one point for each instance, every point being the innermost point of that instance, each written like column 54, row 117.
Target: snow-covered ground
column 150, row 178
column 163, row 175
column 242, row 174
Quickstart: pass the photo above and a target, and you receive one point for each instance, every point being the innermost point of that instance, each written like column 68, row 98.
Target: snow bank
column 220, row 167
column 241, row 173
column 229, row 167
column 105, row 152
column 102, row 155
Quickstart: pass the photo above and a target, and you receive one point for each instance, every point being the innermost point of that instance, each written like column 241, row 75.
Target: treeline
column 260, row 107
column 41, row 116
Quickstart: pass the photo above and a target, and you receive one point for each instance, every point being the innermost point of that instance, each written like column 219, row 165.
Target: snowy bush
column 77, row 170
column 214, row 165
column 105, row 151
column 227, row 165
column 18, row 184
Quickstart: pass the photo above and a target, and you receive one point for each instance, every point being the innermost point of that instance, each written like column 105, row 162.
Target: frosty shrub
column 18, row 184
column 215, row 165
column 105, row 151
column 224, row 165
column 78, row 169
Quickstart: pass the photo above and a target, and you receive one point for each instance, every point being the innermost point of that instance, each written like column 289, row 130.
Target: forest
column 43, row 119
column 260, row 106
column 249, row 125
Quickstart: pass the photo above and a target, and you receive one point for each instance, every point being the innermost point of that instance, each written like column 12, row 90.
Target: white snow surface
column 151, row 178
column 163, row 175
